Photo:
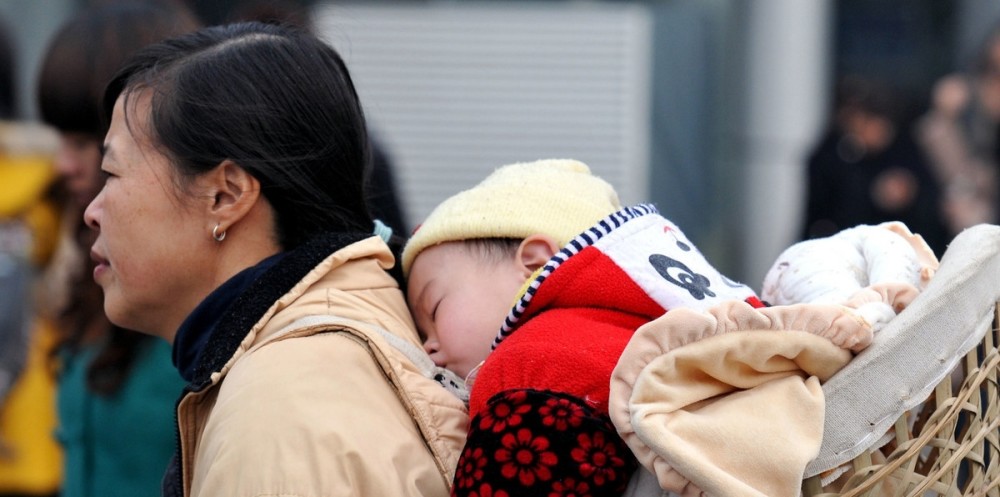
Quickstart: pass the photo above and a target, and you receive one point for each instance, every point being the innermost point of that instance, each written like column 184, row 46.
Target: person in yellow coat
column 30, row 458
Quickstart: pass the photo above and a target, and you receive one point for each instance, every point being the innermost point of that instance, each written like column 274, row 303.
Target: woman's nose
column 91, row 215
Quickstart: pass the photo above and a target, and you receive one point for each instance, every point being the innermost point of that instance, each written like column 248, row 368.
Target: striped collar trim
column 582, row 241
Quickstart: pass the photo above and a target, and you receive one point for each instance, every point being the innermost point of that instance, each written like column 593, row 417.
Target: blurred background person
column 116, row 388
column 868, row 169
column 29, row 457
column 960, row 135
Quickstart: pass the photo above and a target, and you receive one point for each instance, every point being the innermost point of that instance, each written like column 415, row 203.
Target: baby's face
column 459, row 302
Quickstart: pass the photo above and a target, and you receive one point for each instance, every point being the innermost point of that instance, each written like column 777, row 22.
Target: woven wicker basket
column 949, row 446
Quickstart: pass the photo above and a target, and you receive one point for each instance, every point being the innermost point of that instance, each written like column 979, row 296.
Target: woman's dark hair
column 80, row 60
column 87, row 51
column 276, row 101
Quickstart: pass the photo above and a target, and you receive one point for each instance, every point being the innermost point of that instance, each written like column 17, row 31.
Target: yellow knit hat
column 558, row 198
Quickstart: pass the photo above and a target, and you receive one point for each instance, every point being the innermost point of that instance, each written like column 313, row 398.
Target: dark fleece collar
column 191, row 337
column 243, row 302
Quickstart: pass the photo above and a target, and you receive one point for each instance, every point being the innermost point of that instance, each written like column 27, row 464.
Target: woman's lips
column 100, row 264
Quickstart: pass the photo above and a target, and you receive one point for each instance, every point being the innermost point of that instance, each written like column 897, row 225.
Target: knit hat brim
column 556, row 197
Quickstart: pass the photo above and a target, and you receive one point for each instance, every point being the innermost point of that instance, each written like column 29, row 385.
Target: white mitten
column 848, row 267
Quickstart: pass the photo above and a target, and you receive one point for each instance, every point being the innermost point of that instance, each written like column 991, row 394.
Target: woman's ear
column 233, row 191
column 535, row 251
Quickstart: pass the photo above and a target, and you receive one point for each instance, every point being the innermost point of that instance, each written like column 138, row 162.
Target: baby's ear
column 535, row 251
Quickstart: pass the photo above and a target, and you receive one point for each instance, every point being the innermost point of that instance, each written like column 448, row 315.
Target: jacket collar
column 246, row 300
column 633, row 261
column 527, row 303
column 194, row 332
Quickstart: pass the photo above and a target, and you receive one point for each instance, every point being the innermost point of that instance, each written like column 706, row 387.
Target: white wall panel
column 457, row 89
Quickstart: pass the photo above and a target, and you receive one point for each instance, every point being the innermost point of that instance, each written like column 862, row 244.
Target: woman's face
column 154, row 252
column 78, row 163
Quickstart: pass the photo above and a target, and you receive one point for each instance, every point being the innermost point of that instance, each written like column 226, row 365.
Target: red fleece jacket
column 552, row 364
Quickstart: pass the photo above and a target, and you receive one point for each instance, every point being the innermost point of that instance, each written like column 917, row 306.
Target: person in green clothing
column 116, row 388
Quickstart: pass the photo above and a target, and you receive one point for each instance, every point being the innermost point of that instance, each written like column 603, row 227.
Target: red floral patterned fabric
column 542, row 443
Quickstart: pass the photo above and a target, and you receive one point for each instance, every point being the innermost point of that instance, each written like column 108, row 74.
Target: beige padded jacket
column 316, row 401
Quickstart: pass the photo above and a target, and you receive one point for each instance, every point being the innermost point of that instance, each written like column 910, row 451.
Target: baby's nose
column 430, row 346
